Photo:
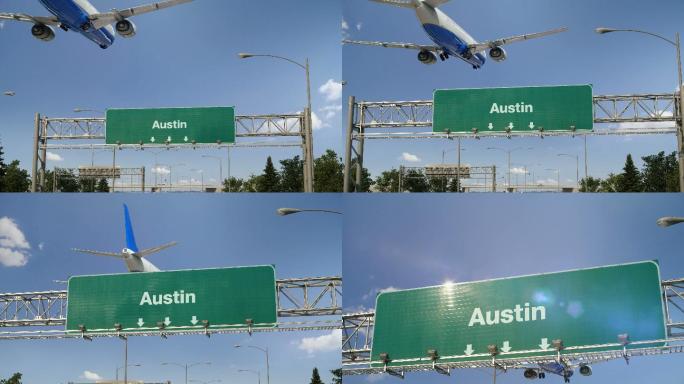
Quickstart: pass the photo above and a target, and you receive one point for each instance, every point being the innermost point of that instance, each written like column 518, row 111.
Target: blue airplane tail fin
column 130, row 237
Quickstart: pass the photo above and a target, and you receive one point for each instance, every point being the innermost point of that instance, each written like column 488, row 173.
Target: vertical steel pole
column 458, row 172
column 268, row 369
column 143, row 180
column 359, row 154
column 229, row 170
column 34, row 171
column 577, row 172
column 680, row 134
column 348, row 144
column 493, row 178
column 43, row 158
column 309, row 138
column 126, row 360
column 305, row 151
column 586, row 166
column 113, row 168
column 509, row 171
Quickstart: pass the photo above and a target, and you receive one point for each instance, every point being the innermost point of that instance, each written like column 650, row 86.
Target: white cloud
column 376, row 291
column 2, row 24
column 88, row 375
column 358, row 26
column 411, row 158
column 161, row 170
column 331, row 89
column 324, row 343
column 316, row 122
column 331, row 110
column 41, row 245
column 13, row 245
column 54, row 157
column 518, row 171
column 345, row 26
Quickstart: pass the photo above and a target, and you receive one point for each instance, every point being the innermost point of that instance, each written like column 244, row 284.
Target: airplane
column 136, row 260
column 9, row 93
column 449, row 37
column 82, row 17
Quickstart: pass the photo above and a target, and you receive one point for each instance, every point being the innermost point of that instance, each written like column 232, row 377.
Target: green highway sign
column 225, row 297
column 520, row 315
column 526, row 109
column 205, row 125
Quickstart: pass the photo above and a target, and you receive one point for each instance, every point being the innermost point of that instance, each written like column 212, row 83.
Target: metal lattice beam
column 316, row 296
column 357, row 341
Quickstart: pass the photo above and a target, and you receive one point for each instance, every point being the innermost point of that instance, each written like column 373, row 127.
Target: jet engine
column 530, row 374
column 427, row 57
column 125, row 28
column 497, row 54
column 585, row 370
column 42, row 32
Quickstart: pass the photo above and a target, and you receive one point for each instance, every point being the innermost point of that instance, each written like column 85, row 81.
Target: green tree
column 3, row 169
column 15, row 379
column 611, row 183
column 87, row 184
column 660, row 173
column 631, row 178
column 65, row 180
column 415, row 181
column 366, row 180
column 453, row 185
column 328, row 172
column 590, row 184
column 250, row 185
column 16, row 179
column 292, row 175
column 233, row 184
column 315, row 377
column 388, row 181
column 337, row 375
column 269, row 180
column 438, row 184
column 102, row 185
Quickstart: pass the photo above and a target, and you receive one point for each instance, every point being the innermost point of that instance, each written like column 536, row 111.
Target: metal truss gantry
column 485, row 175
column 639, row 114
column 357, row 341
column 71, row 132
column 300, row 297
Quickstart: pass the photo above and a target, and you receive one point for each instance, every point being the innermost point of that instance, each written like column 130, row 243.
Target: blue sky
column 406, row 242
column 614, row 64
column 183, row 56
column 211, row 232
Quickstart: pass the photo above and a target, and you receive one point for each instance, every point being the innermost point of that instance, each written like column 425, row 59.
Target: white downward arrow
column 506, row 346
column 167, row 321
column 510, row 126
column 469, row 350
column 531, row 125
column 168, row 139
column 185, row 138
column 545, row 344
column 140, row 322
column 194, row 320
column 490, row 126
column 152, row 139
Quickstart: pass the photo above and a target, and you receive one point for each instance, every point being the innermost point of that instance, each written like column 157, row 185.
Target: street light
column 308, row 169
column 258, row 373
column 186, row 366
column 508, row 151
column 290, row 211
column 557, row 170
column 669, row 221
column 122, row 367
column 264, row 350
column 577, row 169
column 220, row 161
column 677, row 44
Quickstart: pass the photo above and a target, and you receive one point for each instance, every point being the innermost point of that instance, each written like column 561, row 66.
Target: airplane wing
column 431, row 48
column 47, row 20
column 100, row 20
column 398, row 3
column 98, row 253
column 479, row 47
column 149, row 251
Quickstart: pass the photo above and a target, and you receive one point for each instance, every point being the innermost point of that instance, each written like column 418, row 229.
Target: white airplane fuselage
column 137, row 264
column 447, row 34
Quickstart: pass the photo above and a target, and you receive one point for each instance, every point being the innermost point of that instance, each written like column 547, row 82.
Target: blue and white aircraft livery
column 82, row 17
column 135, row 259
column 449, row 37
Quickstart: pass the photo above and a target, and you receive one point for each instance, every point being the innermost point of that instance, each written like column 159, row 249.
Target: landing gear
column 86, row 26
column 443, row 56
column 104, row 46
column 64, row 27
column 542, row 375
